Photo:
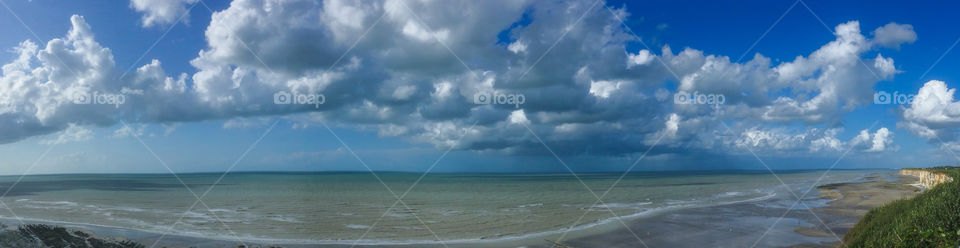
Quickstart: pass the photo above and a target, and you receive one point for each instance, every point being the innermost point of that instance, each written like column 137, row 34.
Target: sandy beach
column 839, row 206
column 853, row 200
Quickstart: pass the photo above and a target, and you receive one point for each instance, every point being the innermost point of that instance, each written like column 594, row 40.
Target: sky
column 150, row 86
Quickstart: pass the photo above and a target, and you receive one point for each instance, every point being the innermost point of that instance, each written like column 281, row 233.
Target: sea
column 362, row 208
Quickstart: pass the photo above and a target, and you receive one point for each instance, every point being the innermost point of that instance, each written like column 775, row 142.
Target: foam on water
column 329, row 209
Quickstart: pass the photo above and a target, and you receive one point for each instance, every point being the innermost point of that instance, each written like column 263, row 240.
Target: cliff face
column 927, row 178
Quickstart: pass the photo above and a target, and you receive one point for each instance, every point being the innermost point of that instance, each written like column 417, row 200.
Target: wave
column 357, row 226
column 531, row 205
column 122, row 214
column 643, row 212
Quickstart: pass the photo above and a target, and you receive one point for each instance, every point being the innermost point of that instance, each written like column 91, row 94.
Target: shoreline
column 759, row 223
column 928, row 219
column 851, row 201
column 740, row 222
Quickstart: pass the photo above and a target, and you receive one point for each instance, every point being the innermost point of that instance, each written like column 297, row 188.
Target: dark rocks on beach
column 47, row 236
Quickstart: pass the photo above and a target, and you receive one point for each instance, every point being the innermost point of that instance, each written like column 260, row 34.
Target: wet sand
column 743, row 224
column 851, row 201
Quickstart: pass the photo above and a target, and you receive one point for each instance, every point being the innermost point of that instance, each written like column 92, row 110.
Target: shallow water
column 342, row 207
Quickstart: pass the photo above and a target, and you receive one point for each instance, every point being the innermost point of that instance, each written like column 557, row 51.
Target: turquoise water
column 343, row 207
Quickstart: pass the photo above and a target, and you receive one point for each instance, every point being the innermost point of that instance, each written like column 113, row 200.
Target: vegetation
column 46, row 236
column 931, row 219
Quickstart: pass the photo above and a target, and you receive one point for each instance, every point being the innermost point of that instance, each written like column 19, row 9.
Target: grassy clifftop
column 931, row 219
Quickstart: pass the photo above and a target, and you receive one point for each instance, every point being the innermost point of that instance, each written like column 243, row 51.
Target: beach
column 683, row 210
column 726, row 226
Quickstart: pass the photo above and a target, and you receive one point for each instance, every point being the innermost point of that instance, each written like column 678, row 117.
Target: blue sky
column 402, row 94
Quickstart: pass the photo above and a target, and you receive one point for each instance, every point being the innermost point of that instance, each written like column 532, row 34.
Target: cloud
column 518, row 117
column 43, row 85
column 933, row 114
column 780, row 140
column 169, row 128
column 934, row 106
column 881, row 140
column 670, row 128
column 893, row 34
column 162, row 12
column 832, row 80
column 128, row 131
column 816, row 141
column 642, row 57
column 581, row 83
column 603, row 89
column 245, row 123
column 73, row 133
column 517, row 47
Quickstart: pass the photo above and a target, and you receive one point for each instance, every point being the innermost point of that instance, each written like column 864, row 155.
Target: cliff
column 928, row 179
column 929, row 219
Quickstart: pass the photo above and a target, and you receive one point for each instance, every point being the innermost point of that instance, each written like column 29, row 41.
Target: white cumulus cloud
column 401, row 81
column 161, row 12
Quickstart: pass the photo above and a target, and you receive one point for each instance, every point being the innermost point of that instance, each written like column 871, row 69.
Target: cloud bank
column 413, row 69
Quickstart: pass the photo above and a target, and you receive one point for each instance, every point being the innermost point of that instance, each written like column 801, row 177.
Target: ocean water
column 343, row 207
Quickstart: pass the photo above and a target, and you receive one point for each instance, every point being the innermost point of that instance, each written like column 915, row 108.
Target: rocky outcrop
column 928, row 179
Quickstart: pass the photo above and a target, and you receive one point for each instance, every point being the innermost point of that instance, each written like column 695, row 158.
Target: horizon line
column 421, row 172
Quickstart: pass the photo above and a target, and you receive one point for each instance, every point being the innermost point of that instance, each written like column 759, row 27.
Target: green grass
column 931, row 219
